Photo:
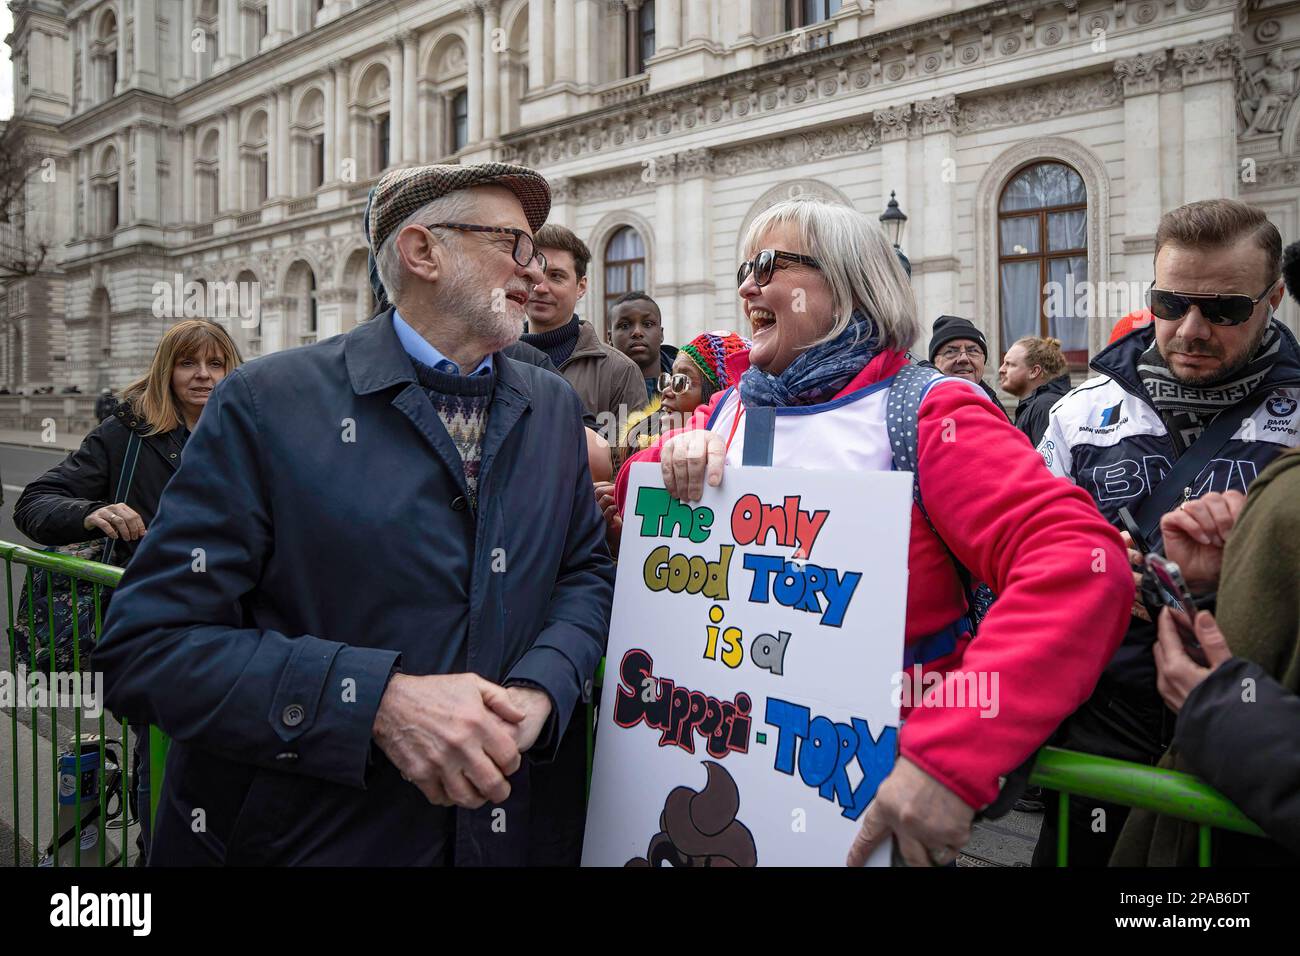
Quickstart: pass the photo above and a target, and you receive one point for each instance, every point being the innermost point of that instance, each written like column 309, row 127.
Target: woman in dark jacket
column 74, row 500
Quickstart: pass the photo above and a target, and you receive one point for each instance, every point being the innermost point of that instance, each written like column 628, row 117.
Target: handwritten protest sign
column 748, row 712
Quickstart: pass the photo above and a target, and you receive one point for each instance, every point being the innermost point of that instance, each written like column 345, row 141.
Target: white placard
column 749, row 708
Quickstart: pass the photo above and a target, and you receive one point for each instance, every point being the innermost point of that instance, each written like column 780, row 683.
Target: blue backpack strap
column 908, row 389
column 905, row 395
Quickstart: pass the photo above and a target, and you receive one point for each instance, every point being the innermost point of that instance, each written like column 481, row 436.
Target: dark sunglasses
column 764, row 264
column 1229, row 309
column 524, row 251
column 678, row 383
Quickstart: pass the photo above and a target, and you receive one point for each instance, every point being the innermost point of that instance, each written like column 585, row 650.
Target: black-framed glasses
column 676, row 381
column 1232, row 308
column 764, row 264
column 524, row 252
column 953, row 351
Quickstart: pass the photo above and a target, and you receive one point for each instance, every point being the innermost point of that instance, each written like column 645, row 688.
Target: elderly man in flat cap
column 377, row 588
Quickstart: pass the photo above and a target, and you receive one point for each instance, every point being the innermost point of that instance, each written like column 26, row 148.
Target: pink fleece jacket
column 1059, row 570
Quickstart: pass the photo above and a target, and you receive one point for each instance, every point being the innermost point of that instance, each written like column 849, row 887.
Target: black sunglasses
column 524, row 252
column 1228, row 309
column 764, row 264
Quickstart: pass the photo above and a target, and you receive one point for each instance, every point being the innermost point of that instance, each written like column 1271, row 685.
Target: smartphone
column 1172, row 592
column 1134, row 532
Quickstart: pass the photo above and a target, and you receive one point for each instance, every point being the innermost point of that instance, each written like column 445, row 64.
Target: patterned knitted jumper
column 461, row 401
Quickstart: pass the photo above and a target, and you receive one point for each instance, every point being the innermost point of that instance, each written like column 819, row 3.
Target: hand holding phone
column 1171, row 591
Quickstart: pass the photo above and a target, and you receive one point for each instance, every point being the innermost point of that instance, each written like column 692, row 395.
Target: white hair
column 457, row 206
column 860, row 266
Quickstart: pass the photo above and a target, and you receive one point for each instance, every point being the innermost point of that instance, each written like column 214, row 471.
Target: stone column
column 491, row 72
column 670, row 254
column 630, row 37
column 427, row 142
column 475, row 70
column 344, row 146
column 123, row 174
column 564, row 40
column 1209, row 117
column 584, row 45
column 396, row 105
column 87, row 68
column 89, row 215
column 189, row 59
column 78, row 218
column 120, row 80
column 668, row 25
column 330, row 110
column 1140, row 77
column 694, row 266
column 410, row 107
column 273, row 186
column 279, row 21
column 145, row 31
column 697, row 17
column 230, row 162
column 146, row 175
column 537, row 44
column 937, row 243
column 283, row 155
column 187, row 175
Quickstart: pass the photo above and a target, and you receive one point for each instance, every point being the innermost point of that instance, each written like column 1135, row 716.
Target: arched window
column 1043, row 257
column 207, row 172
column 254, row 156
column 308, row 133
column 105, row 53
column 624, row 265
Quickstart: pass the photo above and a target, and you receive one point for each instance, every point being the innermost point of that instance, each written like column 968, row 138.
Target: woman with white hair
column 832, row 318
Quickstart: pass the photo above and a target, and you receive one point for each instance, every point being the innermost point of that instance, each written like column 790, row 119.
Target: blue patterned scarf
column 818, row 373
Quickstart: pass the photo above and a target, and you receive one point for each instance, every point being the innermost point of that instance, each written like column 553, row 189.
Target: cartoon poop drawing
column 701, row 829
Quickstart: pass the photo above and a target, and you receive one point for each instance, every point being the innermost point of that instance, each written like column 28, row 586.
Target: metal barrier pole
column 103, row 759
column 1063, row 829
column 54, row 727
column 76, row 729
column 13, row 722
column 36, row 791
column 159, row 744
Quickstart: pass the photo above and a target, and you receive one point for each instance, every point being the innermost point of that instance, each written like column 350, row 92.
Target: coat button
column 586, row 690
column 459, row 503
column 293, row 715
column 172, row 455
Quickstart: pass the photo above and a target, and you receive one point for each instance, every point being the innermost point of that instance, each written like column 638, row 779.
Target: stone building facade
column 230, row 144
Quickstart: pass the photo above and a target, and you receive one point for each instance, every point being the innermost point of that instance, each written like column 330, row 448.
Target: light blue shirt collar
column 418, row 347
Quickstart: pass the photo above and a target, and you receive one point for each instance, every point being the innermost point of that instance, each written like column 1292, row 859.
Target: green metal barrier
column 1169, row 792
column 113, row 757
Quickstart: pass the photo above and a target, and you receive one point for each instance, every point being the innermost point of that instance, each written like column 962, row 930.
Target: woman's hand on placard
column 689, row 461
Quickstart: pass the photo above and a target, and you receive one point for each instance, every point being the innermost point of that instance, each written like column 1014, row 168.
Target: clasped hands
column 457, row 737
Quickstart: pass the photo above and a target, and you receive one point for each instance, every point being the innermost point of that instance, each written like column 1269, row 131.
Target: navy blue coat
column 315, row 537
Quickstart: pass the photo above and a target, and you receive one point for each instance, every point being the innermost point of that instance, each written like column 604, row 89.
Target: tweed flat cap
column 401, row 192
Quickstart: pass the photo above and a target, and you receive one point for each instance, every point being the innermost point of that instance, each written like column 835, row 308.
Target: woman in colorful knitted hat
column 699, row 371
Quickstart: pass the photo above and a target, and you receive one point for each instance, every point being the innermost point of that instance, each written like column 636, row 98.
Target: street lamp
column 892, row 220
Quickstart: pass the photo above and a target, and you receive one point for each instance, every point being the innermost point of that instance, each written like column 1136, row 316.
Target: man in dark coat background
column 377, row 588
column 958, row 348
column 1035, row 371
